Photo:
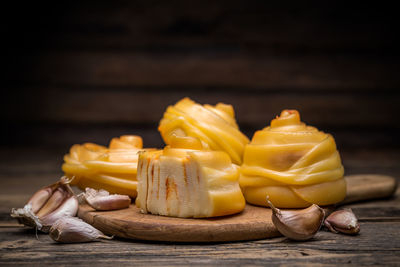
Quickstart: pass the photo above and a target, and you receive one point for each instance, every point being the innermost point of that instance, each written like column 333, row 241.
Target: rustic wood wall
column 91, row 70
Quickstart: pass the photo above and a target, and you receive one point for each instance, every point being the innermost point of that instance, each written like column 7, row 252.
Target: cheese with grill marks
column 185, row 180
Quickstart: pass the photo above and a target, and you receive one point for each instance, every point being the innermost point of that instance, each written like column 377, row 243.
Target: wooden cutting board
column 252, row 223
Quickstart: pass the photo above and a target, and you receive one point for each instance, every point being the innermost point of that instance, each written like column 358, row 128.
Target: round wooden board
column 252, row 223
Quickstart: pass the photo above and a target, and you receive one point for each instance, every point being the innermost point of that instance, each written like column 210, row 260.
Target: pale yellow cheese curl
column 111, row 168
column 294, row 164
column 214, row 126
column 186, row 180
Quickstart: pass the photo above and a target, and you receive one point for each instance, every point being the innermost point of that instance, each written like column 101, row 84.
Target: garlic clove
column 53, row 202
column 298, row 224
column 74, row 230
column 343, row 221
column 39, row 199
column 68, row 208
column 102, row 200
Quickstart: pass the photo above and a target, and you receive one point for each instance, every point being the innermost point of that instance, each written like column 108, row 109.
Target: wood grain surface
column 26, row 169
column 251, row 224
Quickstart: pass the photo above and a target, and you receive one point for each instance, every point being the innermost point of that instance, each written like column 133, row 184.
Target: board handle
column 368, row 186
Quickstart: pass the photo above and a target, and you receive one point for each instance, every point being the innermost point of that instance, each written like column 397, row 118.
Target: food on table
column 214, row 126
column 110, row 168
column 294, row 164
column 298, row 224
column 48, row 205
column 187, row 180
column 103, row 200
column 74, row 230
column 343, row 221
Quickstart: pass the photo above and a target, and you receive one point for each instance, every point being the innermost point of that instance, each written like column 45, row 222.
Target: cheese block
column 292, row 163
column 111, row 168
column 186, row 180
column 214, row 126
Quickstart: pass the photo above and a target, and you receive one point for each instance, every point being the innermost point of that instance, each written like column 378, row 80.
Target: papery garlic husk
column 298, row 224
column 343, row 221
column 74, row 230
column 103, row 200
column 47, row 205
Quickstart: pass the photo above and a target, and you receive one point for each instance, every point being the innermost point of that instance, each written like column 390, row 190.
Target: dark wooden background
column 92, row 70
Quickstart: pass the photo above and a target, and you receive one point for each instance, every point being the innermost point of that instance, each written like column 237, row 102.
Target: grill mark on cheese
column 152, row 173
column 167, row 190
column 184, row 173
column 171, row 188
column 140, row 167
column 158, row 184
column 147, row 182
column 198, row 175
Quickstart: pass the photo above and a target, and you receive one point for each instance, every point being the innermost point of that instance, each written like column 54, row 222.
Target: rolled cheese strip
column 188, row 182
column 112, row 168
column 294, row 164
column 214, row 126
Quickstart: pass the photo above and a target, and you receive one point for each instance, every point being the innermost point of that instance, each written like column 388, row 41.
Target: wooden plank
column 215, row 25
column 377, row 244
column 368, row 187
column 251, row 224
column 223, row 69
column 57, row 105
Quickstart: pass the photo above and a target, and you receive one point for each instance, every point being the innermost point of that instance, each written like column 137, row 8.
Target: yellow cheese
column 294, row 164
column 185, row 180
column 214, row 126
column 113, row 169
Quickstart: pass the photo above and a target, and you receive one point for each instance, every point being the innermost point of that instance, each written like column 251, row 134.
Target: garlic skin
column 298, row 224
column 74, row 230
column 102, row 200
column 48, row 205
column 26, row 216
column 343, row 221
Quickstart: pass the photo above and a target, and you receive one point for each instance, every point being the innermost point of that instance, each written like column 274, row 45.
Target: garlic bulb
column 48, row 205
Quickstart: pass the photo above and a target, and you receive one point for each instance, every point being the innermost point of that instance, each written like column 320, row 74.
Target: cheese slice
column 188, row 182
column 293, row 164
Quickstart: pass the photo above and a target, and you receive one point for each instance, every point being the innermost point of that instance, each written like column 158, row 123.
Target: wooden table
column 23, row 171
